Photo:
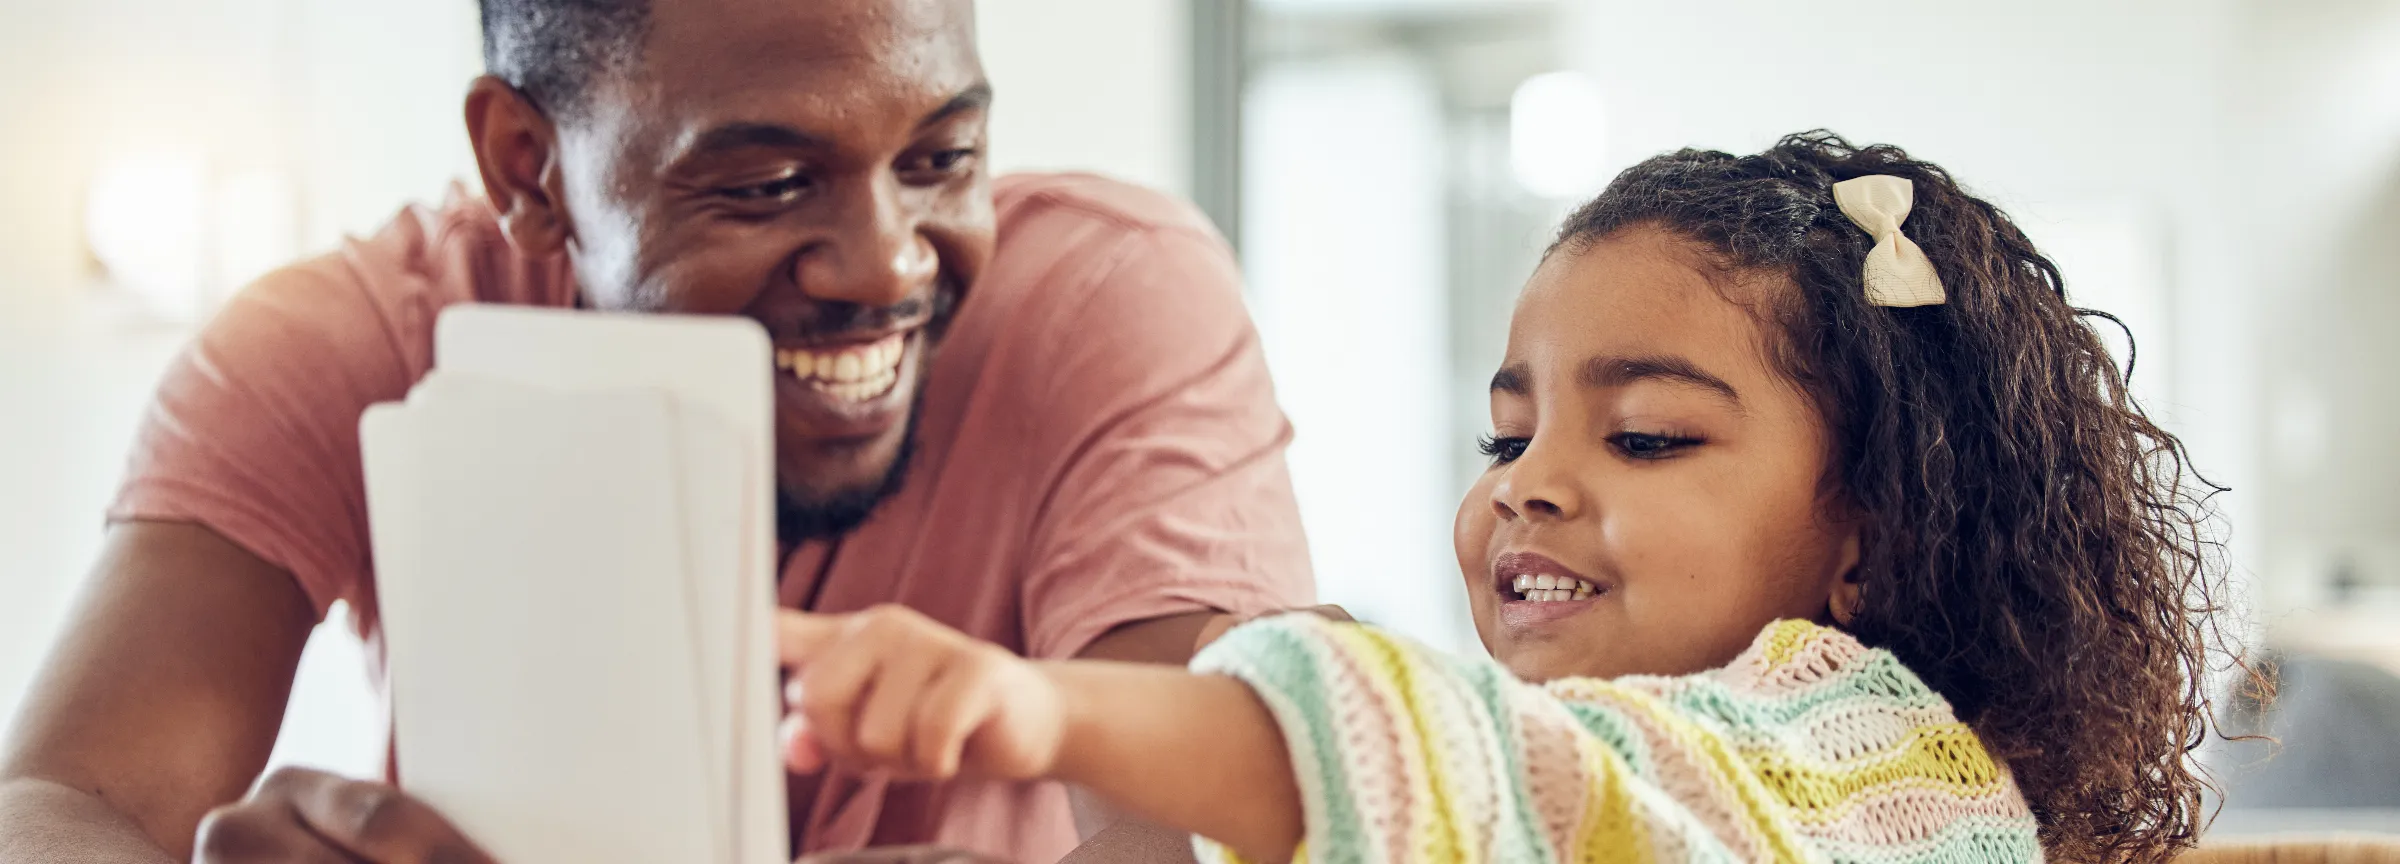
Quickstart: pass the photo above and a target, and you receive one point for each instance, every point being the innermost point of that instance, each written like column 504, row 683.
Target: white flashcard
column 540, row 699
column 718, row 374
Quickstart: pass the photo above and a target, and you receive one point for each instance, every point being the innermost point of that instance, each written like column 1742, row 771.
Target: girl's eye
column 1645, row 446
column 779, row 189
column 1502, row 450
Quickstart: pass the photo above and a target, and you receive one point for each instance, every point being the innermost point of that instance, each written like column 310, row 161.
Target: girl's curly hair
column 2036, row 548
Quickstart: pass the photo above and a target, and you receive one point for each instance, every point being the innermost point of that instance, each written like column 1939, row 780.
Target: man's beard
column 799, row 520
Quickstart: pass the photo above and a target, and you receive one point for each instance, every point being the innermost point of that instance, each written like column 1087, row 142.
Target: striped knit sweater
column 1808, row 747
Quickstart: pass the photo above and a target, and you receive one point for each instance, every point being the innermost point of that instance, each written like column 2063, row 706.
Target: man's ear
column 516, row 151
column 1843, row 602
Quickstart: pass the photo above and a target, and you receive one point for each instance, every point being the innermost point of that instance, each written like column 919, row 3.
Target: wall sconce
column 179, row 237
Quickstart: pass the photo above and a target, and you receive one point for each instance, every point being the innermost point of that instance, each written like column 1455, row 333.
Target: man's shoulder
column 1038, row 200
column 371, row 301
column 1068, row 241
column 428, row 256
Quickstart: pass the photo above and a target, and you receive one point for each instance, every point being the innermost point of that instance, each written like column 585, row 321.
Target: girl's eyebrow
column 1603, row 372
column 1600, row 372
column 1511, row 379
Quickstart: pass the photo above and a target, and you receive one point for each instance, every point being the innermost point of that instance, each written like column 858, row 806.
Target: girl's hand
column 889, row 689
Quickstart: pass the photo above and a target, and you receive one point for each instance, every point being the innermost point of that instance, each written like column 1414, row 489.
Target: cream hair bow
column 1898, row 274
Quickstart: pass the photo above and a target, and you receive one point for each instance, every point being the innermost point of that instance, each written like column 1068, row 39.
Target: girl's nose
column 1538, row 487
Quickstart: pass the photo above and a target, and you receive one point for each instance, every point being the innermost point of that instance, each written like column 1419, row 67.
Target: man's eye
column 951, row 159
column 772, row 190
column 1644, row 446
column 1502, row 450
column 942, row 163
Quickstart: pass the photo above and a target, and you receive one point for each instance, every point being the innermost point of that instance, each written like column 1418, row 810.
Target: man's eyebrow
column 746, row 136
column 973, row 98
column 776, row 136
column 1511, row 380
column 1667, row 368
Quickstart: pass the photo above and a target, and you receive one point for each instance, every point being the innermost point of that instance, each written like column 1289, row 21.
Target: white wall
column 1090, row 85
column 1349, row 281
column 2320, row 128
column 352, row 108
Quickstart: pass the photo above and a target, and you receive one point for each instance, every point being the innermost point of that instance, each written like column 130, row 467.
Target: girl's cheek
column 1471, row 531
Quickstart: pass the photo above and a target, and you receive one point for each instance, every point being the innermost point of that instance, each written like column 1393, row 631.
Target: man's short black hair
column 551, row 50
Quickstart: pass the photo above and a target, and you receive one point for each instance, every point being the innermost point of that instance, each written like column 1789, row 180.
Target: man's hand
column 300, row 815
column 889, row 689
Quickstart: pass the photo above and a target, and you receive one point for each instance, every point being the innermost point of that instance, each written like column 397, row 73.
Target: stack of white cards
column 572, row 523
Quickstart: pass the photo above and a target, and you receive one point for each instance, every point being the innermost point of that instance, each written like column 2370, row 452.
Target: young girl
column 1819, row 526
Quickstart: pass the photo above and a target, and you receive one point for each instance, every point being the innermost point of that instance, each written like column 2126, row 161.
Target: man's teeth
column 1546, row 587
column 854, row 373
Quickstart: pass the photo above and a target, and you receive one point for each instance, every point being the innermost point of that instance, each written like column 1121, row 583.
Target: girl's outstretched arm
column 889, row 689
column 1193, row 752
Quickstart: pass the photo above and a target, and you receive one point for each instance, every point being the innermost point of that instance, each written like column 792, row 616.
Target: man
column 1030, row 407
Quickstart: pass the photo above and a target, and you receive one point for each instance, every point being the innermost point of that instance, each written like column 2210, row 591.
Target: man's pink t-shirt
column 1099, row 444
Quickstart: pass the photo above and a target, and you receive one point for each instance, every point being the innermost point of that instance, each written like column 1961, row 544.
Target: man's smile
column 852, row 390
column 855, row 372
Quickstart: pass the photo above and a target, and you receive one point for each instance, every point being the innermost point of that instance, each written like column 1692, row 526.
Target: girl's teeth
column 1552, row 589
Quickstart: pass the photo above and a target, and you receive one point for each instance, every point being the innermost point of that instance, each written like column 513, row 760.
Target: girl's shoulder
column 1794, row 659
column 1792, row 669
column 1862, row 754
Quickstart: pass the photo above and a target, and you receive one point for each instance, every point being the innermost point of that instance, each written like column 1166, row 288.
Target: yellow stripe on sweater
column 1444, row 841
column 1947, row 756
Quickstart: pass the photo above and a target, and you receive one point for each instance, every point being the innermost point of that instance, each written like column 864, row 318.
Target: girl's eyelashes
column 1642, row 445
column 1635, row 445
column 1501, row 450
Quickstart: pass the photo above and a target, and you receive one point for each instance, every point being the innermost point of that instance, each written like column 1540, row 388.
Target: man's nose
column 874, row 256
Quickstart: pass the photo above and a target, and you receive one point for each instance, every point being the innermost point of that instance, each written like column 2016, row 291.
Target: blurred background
column 2223, row 174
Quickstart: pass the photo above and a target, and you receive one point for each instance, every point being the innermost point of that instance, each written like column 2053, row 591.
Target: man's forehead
column 884, row 48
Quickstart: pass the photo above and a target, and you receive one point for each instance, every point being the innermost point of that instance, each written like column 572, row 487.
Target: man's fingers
column 250, row 833
column 801, row 636
column 900, row 855
column 371, row 821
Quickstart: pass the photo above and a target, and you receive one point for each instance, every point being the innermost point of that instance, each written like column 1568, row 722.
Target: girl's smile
column 1535, row 590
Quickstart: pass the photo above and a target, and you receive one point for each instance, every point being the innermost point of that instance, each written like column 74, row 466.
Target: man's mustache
column 831, row 321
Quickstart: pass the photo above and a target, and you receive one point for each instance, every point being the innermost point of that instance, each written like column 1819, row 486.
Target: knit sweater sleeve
column 1803, row 749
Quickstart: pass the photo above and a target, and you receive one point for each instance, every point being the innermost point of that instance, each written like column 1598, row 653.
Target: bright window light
column 1556, row 132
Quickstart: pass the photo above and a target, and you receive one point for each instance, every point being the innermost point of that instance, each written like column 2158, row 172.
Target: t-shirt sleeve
column 1172, row 495
column 1403, row 753
column 254, row 429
